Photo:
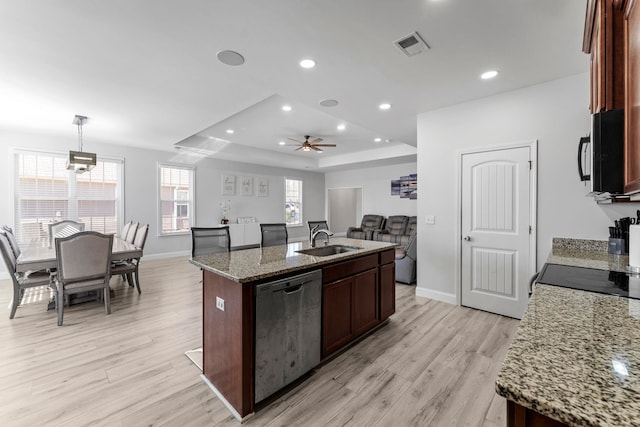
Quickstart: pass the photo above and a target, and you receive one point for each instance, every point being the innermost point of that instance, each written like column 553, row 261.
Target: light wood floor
column 433, row 364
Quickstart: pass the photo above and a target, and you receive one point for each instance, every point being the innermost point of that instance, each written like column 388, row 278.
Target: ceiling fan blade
column 292, row 145
column 315, row 140
column 313, row 147
column 324, row 145
column 299, row 148
column 300, row 142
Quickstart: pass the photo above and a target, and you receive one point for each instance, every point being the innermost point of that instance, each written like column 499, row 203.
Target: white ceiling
column 145, row 72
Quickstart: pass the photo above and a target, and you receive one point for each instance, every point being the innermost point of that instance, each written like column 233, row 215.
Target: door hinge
column 530, row 162
column 529, row 229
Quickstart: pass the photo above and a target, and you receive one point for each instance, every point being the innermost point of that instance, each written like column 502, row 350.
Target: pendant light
column 79, row 161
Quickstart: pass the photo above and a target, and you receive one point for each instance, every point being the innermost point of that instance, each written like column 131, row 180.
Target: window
column 293, row 201
column 45, row 191
column 176, row 199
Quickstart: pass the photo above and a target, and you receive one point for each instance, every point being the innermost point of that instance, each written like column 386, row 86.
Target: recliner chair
column 394, row 227
column 412, row 227
column 406, row 261
column 369, row 224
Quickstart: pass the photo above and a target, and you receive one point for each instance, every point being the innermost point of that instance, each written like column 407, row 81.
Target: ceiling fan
column 309, row 145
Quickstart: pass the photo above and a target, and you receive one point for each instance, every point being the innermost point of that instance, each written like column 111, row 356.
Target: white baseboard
column 436, row 295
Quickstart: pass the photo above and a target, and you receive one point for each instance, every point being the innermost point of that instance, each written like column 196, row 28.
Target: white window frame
column 301, row 215
column 190, row 203
column 15, row 200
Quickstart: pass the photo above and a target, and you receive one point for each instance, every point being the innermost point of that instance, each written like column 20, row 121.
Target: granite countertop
column 576, row 355
column 586, row 253
column 576, row 358
column 255, row 264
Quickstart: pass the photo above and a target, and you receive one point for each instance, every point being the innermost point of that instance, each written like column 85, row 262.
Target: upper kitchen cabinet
column 603, row 40
column 631, row 12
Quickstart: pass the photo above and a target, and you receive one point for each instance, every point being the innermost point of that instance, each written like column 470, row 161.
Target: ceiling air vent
column 412, row 44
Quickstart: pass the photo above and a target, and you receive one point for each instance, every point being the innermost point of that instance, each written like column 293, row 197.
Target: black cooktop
column 585, row 279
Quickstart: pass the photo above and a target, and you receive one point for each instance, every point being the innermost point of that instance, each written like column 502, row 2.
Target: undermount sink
column 328, row 250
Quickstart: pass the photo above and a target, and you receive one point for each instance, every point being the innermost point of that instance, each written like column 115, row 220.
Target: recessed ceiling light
column 342, row 126
column 328, row 102
column 230, row 131
column 230, row 57
column 286, row 108
column 307, row 63
column 281, row 143
column 488, row 74
column 377, row 140
column 384, row 106
column 387, row 140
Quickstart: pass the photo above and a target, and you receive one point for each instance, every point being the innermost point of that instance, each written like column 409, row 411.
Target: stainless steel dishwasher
column 288, row 316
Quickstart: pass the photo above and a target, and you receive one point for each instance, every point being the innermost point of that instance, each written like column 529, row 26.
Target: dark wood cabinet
column 387, row 290
column 632, row 97
column 336, row 315
column 519, row 416
column 353, row 294
column 349, row 308
column 603, row 41
column 365, row 301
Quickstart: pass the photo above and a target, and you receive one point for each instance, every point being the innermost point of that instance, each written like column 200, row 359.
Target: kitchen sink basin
column 328, row 250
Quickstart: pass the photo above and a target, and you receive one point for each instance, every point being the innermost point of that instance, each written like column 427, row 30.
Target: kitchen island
column 576, row 357
column 358, row 294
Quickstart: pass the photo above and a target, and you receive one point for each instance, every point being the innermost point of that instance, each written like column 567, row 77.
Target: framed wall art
column 246, row 186
column 228, row 185
column 262, row 187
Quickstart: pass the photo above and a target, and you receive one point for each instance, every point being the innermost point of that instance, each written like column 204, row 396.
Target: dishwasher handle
column 293, row 289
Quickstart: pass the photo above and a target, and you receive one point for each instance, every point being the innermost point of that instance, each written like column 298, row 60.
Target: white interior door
column 495, row 230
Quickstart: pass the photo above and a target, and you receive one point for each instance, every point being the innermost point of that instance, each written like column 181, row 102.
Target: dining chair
column 64, row 229
column 210, row 240
column 21, row 281
column 131, row 232
column 322, row 225
column 129, row 268
column 125, row 229
column 12, row 240
column 274, row 234
column 84, row 264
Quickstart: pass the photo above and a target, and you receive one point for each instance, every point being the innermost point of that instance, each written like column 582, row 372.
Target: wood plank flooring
column 433, row 364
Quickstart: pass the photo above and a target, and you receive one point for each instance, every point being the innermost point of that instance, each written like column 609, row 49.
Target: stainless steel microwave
column 601, row 156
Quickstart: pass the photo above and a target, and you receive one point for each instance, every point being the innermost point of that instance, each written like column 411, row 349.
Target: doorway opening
column 344, row 209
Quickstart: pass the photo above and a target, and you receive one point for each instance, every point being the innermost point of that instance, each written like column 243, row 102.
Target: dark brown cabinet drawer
column 349, row 268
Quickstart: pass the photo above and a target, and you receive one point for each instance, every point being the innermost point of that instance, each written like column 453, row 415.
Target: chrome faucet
column 314, row 235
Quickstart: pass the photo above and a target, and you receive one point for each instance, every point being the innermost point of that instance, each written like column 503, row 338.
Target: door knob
column 467, row 238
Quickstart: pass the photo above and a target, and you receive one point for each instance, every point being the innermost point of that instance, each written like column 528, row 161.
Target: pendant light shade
column 79, row 161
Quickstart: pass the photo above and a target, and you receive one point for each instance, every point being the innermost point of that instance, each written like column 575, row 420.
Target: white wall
column 554, row 113
column 140, row 189
column 376, row 188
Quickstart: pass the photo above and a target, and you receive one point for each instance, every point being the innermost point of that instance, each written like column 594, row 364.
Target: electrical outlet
column 430, row 219
column 219, row 303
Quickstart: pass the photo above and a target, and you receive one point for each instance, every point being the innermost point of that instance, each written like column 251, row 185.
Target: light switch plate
column 430, row 219
column 219, row 303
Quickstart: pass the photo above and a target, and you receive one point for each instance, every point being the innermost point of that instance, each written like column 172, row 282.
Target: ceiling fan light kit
column 307, row 145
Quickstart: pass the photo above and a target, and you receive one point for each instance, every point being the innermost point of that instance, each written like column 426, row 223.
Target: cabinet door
column 365, row 301
column 632, row 107
column 603, row 39
column 387, row 290
column 336, row 315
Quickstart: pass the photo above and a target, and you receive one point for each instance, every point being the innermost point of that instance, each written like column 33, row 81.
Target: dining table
column 39, row 255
